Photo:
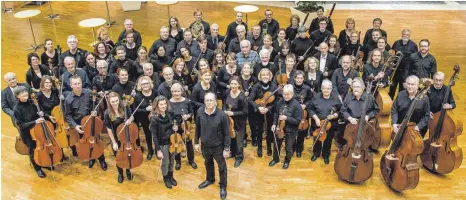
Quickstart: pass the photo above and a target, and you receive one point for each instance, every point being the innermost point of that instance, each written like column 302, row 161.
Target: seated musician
column 303, row 94
column 164, row 40
column 124, row 62
column 402, row 103
column 113, row 117
column 328, row 62
column 353, row 103
column 129, row 27
column 162, row 124
column 35, row 72
column 71, row 70
column 320, row 109
column 437, row 95
column 255, row 37
column 215, row 38
column 124, row 87
column 104, row 81
column 288, row 109
column 164, row 88
column 322, row 34
column 315, row 22
column 8, row 96
column 288, row 69
column 182, row 109
column 233, row 45
column 26, row 115
column 374, row 68
column 246, row 54
column 264, row 55
column 78, row 104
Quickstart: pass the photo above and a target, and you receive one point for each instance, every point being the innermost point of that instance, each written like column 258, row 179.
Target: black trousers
column 299, row 145
column 189, row 150
column 209, row 154
column 144, row 121
column 250, row 120
column 257, row 128
column 398, row 81
column 236, row 146
column 290, row 139
column 120, row 170
column 27, row 139
column 325, row 148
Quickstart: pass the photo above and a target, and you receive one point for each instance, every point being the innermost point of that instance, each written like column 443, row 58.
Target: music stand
column 51, row 15
column 246, row 9
column 109, row 22
column 92, row 23
column 166, row 3
column 28, row 14
column 6, row 9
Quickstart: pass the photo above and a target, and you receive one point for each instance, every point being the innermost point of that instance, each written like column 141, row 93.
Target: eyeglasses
column 145, row 83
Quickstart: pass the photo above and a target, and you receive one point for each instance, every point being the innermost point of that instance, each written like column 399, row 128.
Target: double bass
column 90, row 146
column 130, row 154
column 47, row 152
column 441, row 152
column 398, row 165
column 355, row 164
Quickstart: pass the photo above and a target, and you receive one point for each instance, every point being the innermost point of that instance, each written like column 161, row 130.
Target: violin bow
column 95, row 108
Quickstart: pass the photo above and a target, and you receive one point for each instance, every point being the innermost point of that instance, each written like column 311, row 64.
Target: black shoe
column 314, row 158
column 254, row 143
column 167, row 182
column 129, row 175
column 103, row 165
column 121, row 178
column 259, row 152
column 238, row 163
column 149, row 156
column 64, row 158
column 245, row 143
column 372, row 150
column 178, row 165
column 286, row 165
column 171, row 179
column 40, row 173
column 223, row 193
column 50, row 168
column 205, row 184
column 298, row 154
column 269, row 152
column 193, row 165
column 91, row 163
column 326, row 160
column 75, row 154
column 272, row 163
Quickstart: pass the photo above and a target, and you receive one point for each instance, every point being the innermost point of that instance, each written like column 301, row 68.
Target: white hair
column 167, row 68
column 327, row 82
column 288, row 88
column 68, row 59
column 102, row 63
column 127, row 20
column 239, row 27
column 163, row 27
column 264, row 52
column 9, row 75
column 71, row 38
column 413, row 78
column 441, row 74
column 212, row 26
column 147, row 65
column 245, row 42
column 360, row 81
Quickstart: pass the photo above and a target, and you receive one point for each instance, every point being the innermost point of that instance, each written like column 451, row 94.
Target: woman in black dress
column 143, row 59
column 35, row 72
column 48, row 96
column 100, row 50
column 313, row 77
column 49, row 55
column 176, row 32
column 181, row 75
column 247, row 82
column 201, row 88
column 91, row 67
column 225, row 73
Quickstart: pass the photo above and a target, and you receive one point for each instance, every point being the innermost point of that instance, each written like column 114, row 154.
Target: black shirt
column 26, row 115
column 255, row 42
column 319, row 37
column 234, row 46
column 352, row 107
column 48, row 103
column 315, row 25
column 368, row 36
column 159, row 62
column 300, row 45
column 125, row 89
column 303, row 92
column 44, row 59
column 113, row 124
column 161, row 128
column 369, row 70
column 169, row 44
column 179, row 108
column 106, row 83
column 248, row 84
column 321, row 106
column 164, row 90
column 78, row 58
column 258, row 67
column 131, row 53
column 77, row 107
column 141, row 112
column 258, row 91
column 197, row 96
column 340, row 81
column 239, row 107
column 90, row 71
column 223, row 78
column 127, row 64
column 294, row 113
column 291, row 33
column 32, row 79
column 422, row 67
column 351, row 49
column 436, row 97
column 178, row 37
column 136, row 35
column 231, row 30
column 421, row 112
column 316, row 83
column 213, row 129
column 272, row 27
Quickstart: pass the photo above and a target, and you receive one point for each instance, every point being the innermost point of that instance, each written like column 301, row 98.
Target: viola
column 398, row 165
column 304, row 124
column 441, row 152
column 281, row 125
column 232, row 124
column 355, row 164
column 90, row 146
column 47, row 152
column 130, row 154
column 176, row 142
column 188, row 128
column 320, row 134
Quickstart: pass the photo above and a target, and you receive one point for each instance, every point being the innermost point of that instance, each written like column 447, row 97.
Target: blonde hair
column 306, row 64
column 139, row 86
column 111, row 111
column 259, row 76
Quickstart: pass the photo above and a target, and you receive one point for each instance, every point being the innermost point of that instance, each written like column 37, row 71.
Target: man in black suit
column 214, row 38
column 327, row 62
column 9, row 100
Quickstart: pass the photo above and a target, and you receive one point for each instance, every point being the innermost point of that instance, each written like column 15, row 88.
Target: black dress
column 48, row 103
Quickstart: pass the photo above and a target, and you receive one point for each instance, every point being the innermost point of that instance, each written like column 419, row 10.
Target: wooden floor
column 254, row 179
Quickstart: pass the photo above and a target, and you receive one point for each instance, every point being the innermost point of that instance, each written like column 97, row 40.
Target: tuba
column 197, row 29
column 265, row 28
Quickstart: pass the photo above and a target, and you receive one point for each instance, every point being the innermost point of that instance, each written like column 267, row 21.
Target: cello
column 441, row 152
column 47, row 152
column 355, row 164
column 320, row 134
column 130, row 154
column 90, row 146
column 398, row 165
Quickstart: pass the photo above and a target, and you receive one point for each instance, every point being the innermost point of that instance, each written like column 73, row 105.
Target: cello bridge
column 356, row 155
column 412, row 166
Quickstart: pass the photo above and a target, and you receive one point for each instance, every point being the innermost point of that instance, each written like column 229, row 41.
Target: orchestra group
column 265, row 82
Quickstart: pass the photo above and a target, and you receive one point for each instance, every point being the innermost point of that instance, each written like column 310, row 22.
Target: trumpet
column 265, row 28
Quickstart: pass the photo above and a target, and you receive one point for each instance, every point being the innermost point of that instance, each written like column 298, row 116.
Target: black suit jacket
column 211, row 44
column 331, row 63
column 9, row 100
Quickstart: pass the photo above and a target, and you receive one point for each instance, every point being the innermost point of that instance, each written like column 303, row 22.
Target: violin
column 320, row 134
column 232, row 124
column 188, row 128
column 90, row 146
column 441, row 152
column 281, row 78
column 47, row 152
column 266, row 99
column 175, row 142
column 130, row 154
column 304, row 124
column 355, row 164
column 281, row 125
column 398, row 165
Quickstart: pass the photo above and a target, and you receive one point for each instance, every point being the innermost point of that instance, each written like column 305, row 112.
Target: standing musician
column 161, row 60
column 205, row 52
column 234, row 44
column 35, row 72
column 189, row 42
column 214, row 38
column 283, row 51
column 288, row 69
column 313, row 77
column 402, row 103
column 376, row 24
column 423, row 64
column 164, row 88
column 163, row 126
column 345, row 35
column 149, row 72
column 182, row 74
column 303, row 94
column 268, row 44
column 292, row 29
column 166, row 41
column 353, row 103
column 201, row 88
column 78, row 104
column 407, row 47
column 333, row 45
column 71, row 70
column 235, row 105
column 8, row 96
column 189, row 59
column 381, row 46
column 123, row 87
column 74, row 51
column 373, row 44
column 300, row 45
column 100, row 50
column 145, row 94
column 129, row 27
column 182, row 109
column 269, row 25
column 341, row 75
column 258, row 91
column 246, row 54
column 176, row 32
column 290, row 111
column 49, row 54
column 247, row 82
column 353, row 46
column 131, row 47
column 255, row 37
column 264, row 55
column 102, row 37
column 315, row 24
column 104, row 81
column 124, row 62
column 328, row 62
column 27, row 115
column 90, row 68
column 374, row 68
column 231, row 29
column 113, row 117
column 436, row 95
column 219, row 61
column 225, row 73
column 322, row 34
column 198, row 18
column 213, row 131
column 320, row 109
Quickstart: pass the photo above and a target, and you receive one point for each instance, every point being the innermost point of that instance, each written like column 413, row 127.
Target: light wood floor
column 254, row 179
